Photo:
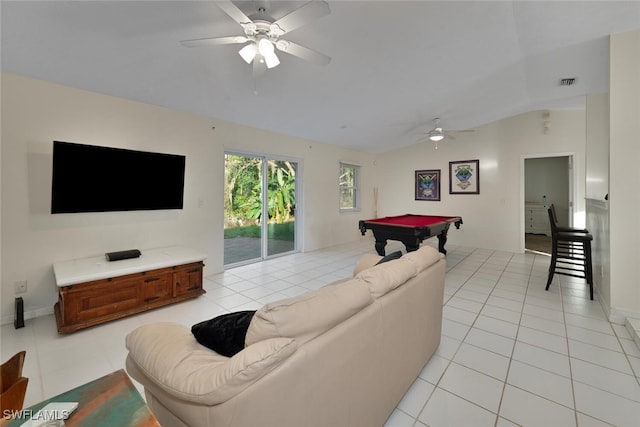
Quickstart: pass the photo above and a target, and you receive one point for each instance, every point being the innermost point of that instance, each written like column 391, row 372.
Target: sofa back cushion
column 366, row 261
column 385, row 277
column 306, row 316
column 424, row 257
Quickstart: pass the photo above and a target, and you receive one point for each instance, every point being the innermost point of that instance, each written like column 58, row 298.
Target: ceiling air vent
column 568, row 82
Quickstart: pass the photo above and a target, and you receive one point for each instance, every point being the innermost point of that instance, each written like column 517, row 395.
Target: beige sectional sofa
column 343, row 355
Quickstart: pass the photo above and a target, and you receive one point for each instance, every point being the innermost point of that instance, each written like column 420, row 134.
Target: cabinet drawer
column 188, row 279
column 157, row 287
column 100, row 300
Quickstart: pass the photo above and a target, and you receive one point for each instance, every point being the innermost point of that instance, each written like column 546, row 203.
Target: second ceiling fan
column 262, row 34
column 438, row 133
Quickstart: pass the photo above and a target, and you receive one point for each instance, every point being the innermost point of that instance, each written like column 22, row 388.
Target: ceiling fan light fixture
column 248, row 53
column 436, row 137
column 266, row 49
column 271, row 60
column 265, row 46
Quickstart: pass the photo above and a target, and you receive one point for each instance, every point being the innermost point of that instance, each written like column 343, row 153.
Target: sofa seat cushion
column 170, row 356
column 306, row 316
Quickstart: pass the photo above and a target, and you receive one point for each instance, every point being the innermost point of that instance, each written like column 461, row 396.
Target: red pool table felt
column 413, row 220
column 409, row 229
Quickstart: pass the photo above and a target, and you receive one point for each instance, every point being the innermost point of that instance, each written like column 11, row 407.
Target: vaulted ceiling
column 396, row 65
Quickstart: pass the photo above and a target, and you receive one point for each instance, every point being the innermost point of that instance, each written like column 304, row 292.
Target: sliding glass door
column 280, row 206
column 259, row 207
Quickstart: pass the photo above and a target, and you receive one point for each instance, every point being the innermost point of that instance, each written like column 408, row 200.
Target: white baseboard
column 633, row 326
column 30, row 314
column 620, row 316
column 630, row 320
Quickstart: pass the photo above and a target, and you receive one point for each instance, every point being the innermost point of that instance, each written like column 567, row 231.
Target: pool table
column 409, row 229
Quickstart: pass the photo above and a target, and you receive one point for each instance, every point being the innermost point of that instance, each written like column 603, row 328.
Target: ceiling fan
column 262, row 34
column 438, row 133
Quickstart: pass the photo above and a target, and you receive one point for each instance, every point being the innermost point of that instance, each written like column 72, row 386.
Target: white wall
column 494, row 218
column 597, row 161
column 624, row 181
column 34, row 113
column 597, row 188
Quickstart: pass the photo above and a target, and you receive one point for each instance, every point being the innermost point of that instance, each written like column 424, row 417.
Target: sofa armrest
column 169, row 356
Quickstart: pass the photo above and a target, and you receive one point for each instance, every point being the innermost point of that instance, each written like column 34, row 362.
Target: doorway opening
column 259, row 208
column 547, row 180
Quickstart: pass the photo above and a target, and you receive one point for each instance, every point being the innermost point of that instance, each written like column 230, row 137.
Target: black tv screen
column 88, row 178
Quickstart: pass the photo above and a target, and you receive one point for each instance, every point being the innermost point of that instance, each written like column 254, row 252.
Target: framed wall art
column 464, row 177
column 428, row 185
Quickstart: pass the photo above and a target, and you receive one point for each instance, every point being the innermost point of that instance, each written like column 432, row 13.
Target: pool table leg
column 442, row 239
column 412, row 246
column 380, row 244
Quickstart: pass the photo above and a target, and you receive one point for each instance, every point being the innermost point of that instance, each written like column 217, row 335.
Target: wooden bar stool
column 570, row 253
column 13, row 386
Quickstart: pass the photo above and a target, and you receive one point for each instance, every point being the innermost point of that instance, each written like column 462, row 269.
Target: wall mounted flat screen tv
column 88, row 178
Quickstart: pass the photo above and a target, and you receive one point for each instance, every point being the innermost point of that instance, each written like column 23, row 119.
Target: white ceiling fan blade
column 235, row 13
column 309, row 12
column 214, row 41
column 303, row 52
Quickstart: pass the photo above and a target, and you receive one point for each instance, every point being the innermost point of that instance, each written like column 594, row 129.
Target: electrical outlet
column 20, row 286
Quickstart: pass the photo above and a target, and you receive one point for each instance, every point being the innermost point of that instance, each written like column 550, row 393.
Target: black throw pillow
column 224, row 334
column 391, row 256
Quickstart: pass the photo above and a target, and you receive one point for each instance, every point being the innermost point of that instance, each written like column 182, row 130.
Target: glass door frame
column 264, row 236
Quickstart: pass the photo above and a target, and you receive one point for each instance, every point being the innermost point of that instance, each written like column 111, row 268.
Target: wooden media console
column 92, row 291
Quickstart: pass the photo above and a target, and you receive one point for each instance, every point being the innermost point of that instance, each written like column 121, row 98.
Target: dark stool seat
column 563, row 228
column 570, row 253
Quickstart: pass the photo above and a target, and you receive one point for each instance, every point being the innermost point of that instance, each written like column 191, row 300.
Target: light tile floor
column 511, row 353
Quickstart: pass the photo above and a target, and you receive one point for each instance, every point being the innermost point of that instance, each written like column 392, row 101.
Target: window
column 349, row 187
